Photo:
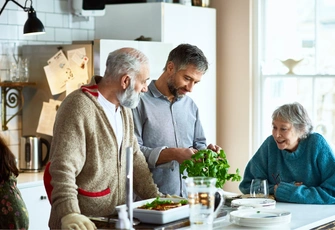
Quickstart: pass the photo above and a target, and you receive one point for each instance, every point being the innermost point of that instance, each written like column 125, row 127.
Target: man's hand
column 78, row 222
column 177, row 154
column 184, row 154
column 214, row 148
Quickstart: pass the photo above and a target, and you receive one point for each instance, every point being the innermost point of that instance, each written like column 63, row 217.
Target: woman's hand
column 276, row 186
column 274, row 189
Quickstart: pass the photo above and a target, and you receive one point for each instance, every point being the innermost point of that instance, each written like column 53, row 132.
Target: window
column 302, row 33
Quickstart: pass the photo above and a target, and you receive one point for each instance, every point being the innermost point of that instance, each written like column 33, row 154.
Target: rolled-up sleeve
column 152, row 154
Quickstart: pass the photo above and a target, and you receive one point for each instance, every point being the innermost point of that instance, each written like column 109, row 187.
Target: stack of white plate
column 260, row 217
column 253, row 203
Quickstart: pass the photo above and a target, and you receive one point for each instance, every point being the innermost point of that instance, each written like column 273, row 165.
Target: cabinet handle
column 43, row 197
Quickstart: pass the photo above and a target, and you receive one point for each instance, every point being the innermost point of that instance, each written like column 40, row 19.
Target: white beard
column 129, row 98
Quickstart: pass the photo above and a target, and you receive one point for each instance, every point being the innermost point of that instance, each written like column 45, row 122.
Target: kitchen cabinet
column 36, row 200
column 155, row 51
column 170, row 23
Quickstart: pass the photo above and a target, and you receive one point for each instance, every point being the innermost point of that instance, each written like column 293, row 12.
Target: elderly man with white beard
column 94, row 126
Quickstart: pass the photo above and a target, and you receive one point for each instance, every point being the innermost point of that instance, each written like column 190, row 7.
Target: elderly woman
column 298, row 164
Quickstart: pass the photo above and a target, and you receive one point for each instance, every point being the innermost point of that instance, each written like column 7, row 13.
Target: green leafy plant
column 208, row 163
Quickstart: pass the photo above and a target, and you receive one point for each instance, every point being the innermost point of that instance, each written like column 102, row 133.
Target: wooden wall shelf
column 11, row 97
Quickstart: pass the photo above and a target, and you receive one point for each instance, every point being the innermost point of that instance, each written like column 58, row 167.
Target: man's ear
column 170, row 66
column 125, row 81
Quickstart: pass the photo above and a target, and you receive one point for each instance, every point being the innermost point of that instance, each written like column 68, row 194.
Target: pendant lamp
column 33, row 25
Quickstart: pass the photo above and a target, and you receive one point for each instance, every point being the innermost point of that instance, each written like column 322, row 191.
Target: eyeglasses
column 276, row 178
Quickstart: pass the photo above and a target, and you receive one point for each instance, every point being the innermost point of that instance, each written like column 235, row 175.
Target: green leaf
column 158, row 201
column 208, row 163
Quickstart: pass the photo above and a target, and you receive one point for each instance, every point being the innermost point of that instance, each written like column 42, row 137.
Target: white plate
column 260, row 217
column 159, row 217
column 254, row 203
column 230, row 194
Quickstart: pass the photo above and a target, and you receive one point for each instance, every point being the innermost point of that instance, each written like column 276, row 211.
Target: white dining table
column 303, row 216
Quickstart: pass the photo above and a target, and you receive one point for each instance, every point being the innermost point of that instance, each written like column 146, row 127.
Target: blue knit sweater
column 313, row 164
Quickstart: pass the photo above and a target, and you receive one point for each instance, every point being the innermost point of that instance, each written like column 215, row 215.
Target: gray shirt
column 161, row 124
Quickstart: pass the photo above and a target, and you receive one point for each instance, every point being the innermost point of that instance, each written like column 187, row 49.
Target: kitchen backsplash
column 61, row 28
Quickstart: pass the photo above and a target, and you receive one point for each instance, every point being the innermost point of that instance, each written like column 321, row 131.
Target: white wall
column 61, row 28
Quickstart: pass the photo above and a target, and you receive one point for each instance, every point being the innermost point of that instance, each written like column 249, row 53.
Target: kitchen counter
column 173, row 225
column 304, row 217
column 30, row 179
column 182, row 223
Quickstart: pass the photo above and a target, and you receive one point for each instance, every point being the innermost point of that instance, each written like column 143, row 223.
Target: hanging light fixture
column 33, row 25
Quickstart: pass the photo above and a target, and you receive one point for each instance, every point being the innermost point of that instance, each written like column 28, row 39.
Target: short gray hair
column 297, row 115
column 186, row 54
column 125, row 61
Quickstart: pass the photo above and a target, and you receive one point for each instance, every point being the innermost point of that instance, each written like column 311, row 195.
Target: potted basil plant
column 207, row 163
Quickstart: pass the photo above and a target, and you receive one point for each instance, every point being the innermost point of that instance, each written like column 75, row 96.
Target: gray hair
column 125, row 61
column 186, row 54
column 297, row 115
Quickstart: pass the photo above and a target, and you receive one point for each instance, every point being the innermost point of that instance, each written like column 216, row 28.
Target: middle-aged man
column 167, row 121
column 86, row 175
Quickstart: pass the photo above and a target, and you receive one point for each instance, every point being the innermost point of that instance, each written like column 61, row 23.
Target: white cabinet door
column 130, row 21
column 197, row 26
column 157, row 53
column 38, row 207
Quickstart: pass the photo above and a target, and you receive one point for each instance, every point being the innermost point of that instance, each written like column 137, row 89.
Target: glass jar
column 23, row 71
column 11, row 61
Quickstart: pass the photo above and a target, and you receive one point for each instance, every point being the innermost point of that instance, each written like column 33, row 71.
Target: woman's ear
column 125, row 81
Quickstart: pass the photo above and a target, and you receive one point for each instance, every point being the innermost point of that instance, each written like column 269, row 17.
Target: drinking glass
column 259, row 188
column 201, row 195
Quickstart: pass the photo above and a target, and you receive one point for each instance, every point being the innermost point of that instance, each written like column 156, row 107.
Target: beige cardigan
column 87, row 173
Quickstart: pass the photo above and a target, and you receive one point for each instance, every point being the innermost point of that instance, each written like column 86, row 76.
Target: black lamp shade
column 33, row 25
